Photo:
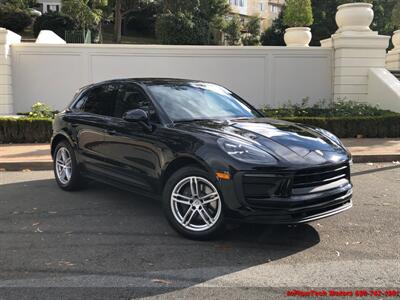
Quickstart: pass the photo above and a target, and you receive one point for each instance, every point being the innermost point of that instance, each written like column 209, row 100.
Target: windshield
column 200, row 101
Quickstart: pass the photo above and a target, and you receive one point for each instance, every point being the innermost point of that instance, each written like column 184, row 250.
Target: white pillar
column 393, row 57
column 7, row 38
column 356, row 49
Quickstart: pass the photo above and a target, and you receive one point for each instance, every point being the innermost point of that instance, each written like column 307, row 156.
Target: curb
column 376, row 158
column 29, row 165
column 48, row 165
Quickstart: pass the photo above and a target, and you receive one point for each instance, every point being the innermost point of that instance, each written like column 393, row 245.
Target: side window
column 79, row 105
column 131, row 97
column 101, row 100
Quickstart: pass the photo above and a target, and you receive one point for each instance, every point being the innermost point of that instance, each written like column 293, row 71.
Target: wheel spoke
column 62, row 173
column 190, row 217
column 204, row 211
column 64, row 155
column 194, row 187
column 206, row 218
column 68, row 161
column 210, row 198
column 68, row 173
column 184, row 200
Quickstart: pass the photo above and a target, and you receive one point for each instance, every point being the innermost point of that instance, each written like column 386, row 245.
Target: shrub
column 40, row 110
column 298, row 13
column 14, row 18
column 54, row 21
column 346, row 119
column 350, row 127
column 25, row 130
column 233, row 30
column 326, row 109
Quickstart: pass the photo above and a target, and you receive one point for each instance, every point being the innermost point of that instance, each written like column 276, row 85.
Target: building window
column 240, row 3
column 52, row 7
column 275, row 9
column 261, row 6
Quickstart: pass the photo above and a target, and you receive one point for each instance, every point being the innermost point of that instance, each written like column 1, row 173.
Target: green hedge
column 28, row 130
column 350, row 127
column 25, row 130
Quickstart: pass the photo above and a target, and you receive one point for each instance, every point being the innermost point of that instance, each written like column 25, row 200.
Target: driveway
column 104, row 243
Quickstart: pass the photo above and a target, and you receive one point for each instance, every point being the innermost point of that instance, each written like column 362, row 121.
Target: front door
column 133, row 151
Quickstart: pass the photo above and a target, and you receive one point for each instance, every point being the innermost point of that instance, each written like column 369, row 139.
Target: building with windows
column 46, row 6
column 268, row 10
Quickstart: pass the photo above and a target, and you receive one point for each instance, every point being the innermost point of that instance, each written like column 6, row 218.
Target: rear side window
column 100, row 100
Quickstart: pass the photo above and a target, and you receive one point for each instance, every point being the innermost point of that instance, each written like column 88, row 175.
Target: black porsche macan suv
column 209, row 155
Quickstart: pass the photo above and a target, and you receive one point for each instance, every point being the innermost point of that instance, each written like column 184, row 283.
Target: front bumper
column 303, row 215
column 289, row 197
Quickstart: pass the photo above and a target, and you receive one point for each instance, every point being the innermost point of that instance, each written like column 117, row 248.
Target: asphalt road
column 102, row 243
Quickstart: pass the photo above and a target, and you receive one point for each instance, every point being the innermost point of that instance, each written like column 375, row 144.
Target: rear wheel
column 66, row 168
column 193, row 204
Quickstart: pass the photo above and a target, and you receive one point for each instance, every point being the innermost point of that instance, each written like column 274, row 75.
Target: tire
column 198, row 217
column 74, row 181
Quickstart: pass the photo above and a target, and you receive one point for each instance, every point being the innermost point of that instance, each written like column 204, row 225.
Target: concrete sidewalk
column 16, row 157
column 37, row 156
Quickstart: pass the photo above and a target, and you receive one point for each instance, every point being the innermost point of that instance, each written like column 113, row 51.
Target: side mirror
column 136, row 115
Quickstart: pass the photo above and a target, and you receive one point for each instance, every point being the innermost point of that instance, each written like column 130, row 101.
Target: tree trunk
column 117, row 21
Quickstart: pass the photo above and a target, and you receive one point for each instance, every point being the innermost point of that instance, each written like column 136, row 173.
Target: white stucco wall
column 383, row 89
column 261, row 75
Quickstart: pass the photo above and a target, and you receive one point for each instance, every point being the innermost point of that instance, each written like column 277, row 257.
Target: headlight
column 245, row 152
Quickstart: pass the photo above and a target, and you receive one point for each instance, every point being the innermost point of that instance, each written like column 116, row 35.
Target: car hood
column 294, row 143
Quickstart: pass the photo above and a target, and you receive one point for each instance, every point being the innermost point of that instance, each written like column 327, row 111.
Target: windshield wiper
column 194, row 120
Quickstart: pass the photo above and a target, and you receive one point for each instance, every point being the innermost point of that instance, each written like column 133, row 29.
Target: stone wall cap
column 357, row 4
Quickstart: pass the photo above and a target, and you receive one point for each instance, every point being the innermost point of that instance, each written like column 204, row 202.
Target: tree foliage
column 253, row 31
column 298, row 13
column 396, row 16
column 87, row 13
column 14, row 18
column 190, row 22
column 56, row 22
column 273, row 36
column 142, row 19
column 21, row 4
column 179, row 29
column 122, row 8
column 233, row 30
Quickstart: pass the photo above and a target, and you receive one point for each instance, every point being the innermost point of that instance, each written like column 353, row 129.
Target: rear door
column 89, row 118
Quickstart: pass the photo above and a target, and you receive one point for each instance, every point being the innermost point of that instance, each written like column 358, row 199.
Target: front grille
column 318, row 182
column 320, row 176
column 297, row 190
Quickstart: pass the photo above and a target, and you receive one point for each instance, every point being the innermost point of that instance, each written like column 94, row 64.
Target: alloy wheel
column 195, row 203
column 63, row 165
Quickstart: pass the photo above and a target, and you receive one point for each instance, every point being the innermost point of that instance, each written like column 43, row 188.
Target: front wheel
column 193, row 204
